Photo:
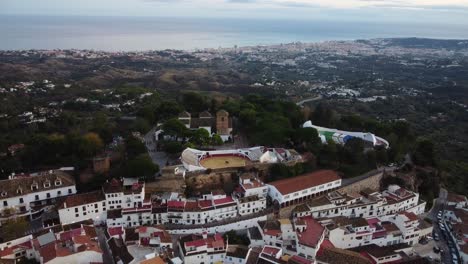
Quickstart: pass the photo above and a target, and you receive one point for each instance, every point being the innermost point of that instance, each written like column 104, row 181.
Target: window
column 47, row 184
column 95, row 205
column 34, row 186
column 59, row 192
column 36, row 197
column 58, row 182
column 19, row 191
column 69, row 191
column 5, row 203
column 48, row 195
column 76, row 210
column 21, row 200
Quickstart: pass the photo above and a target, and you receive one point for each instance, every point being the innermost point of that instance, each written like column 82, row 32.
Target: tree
column 194, row 102
column 14, row 228
column 173, row 147
column 173, row 127
column 200, row 137
column 216, row 140
column 248, row 117
column 323, row 116
column 141, row 125
column 308, row 137
column 134, row 147
column 424, row 154
column 279, row 171
column 168, row 109
column 90, row 144
column 148, row 113
column 234, row 239
column 141, row 166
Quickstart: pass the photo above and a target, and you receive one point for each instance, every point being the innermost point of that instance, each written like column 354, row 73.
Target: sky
column 415, row 11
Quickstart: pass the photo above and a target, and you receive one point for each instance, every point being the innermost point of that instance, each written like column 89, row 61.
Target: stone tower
column 222, row 122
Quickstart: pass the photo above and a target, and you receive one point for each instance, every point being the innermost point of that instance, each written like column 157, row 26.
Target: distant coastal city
column 324, row 152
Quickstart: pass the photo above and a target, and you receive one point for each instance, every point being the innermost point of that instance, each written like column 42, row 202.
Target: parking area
column 427, row 250
column 139, row 252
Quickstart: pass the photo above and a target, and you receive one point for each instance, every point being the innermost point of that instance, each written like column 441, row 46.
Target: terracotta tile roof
column 305, row 181
column 411, row 216
column 22, row 185
column 90, row 231
column 455, row 198
column 48, row 252
column 378, row 251
column 223, row 201
column 205, row 204
column 81, row 199
column 312, row 233
column 115, row 231
column 336, row 255
column 299, row 260
column 270, row 250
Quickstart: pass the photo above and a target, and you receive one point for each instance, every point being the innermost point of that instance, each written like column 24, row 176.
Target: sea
column 158, row 33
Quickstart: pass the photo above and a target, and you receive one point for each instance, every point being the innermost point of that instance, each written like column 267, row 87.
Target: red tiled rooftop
column 456, row 198
column 205, row 203
column 411, row 216
column 176, row 204
column 68, row 235
column 305, row 181
column 271, row 251
column 191, row 205
column 301, row 260
column 312, row 234
column 222, row 201
column 115, row 231
column 272, row 232
column 83, row 198
column 195, row 243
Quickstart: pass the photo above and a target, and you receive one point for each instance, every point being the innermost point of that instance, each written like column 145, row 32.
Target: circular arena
column 223, row 161
column 194, row 159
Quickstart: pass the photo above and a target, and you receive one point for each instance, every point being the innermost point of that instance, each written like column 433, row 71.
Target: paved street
column 432, row 214
column 158, row 157
column 427, row 250
column 106, row 253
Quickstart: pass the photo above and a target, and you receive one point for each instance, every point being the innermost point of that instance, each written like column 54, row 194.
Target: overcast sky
column 417, row 11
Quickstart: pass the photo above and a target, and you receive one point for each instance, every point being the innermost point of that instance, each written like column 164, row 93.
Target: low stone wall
column 371, row 182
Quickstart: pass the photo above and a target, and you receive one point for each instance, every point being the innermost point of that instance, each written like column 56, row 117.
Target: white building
column 290, row 191
column 13, row 250
column 78, row 245
column 341, row 137
column 248, row 198
column 389, row 230
column 203, row 249
column 365, row 204
column 32, row 194
column 154, row 236
column 81, row 207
